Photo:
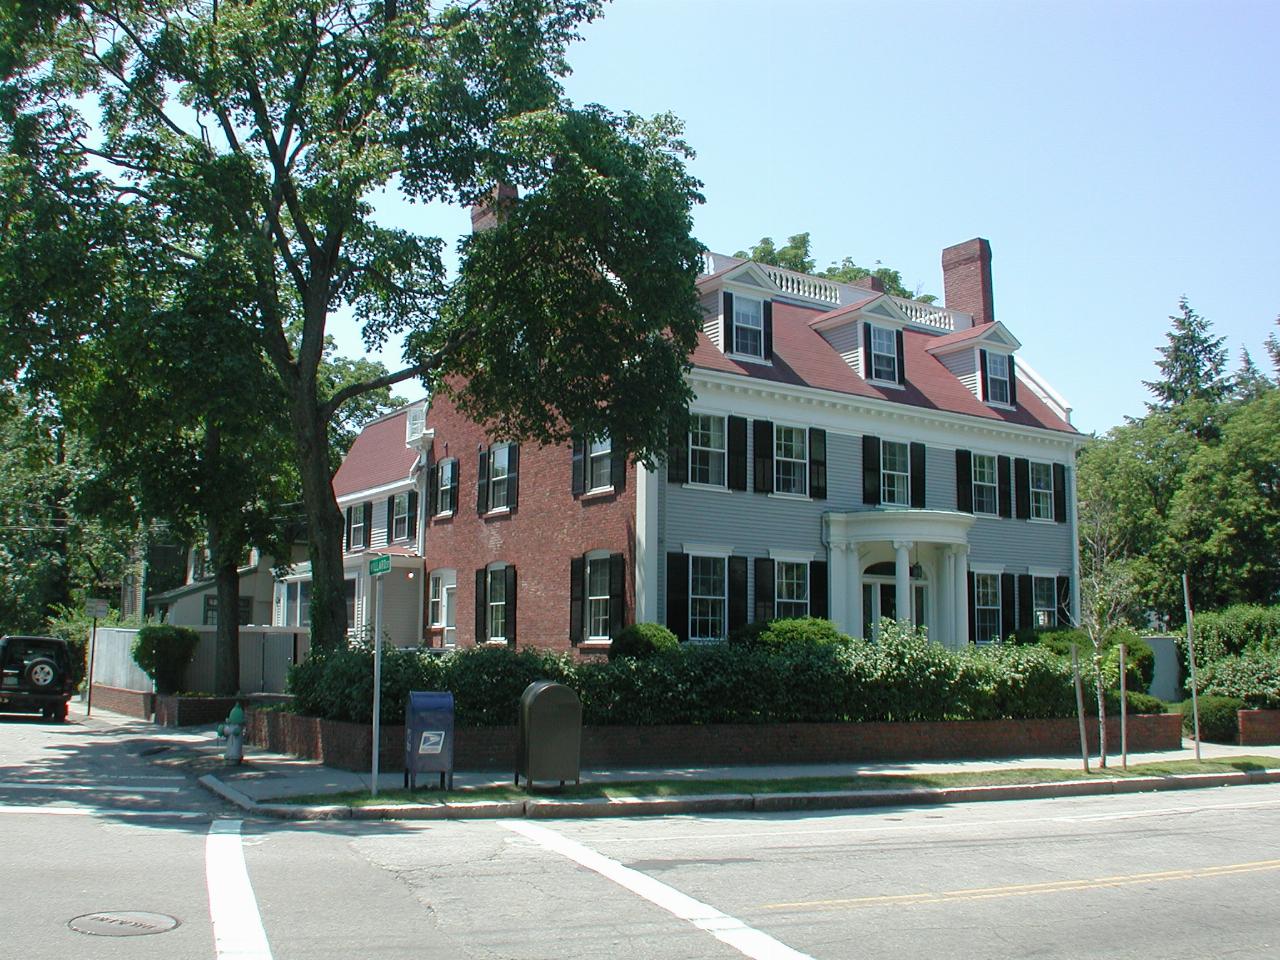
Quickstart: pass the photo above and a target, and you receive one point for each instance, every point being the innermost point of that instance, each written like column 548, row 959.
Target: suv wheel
column 42, row 672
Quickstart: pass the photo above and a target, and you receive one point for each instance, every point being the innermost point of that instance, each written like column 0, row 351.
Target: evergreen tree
column 1273, row 349
column 1249, row 382
column 1193, row 363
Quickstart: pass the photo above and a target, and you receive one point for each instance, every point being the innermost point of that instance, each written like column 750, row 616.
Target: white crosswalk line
column 237, row 926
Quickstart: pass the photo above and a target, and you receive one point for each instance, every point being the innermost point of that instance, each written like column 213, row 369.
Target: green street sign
column 379, row 565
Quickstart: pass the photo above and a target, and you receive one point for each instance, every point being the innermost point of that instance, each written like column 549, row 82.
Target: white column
column 902, row 579
column 837, row 554
column 944, row 605
column 855, row 591
column 646, row 559
column 961, row 606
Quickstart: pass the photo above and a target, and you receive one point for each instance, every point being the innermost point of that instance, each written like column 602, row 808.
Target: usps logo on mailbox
column 432, row 741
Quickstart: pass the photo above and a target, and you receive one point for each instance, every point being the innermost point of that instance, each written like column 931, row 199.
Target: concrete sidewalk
column 265, row 782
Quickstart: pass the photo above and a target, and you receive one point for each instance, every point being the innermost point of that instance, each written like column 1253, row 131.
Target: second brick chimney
column 870, row 282
column 486, row 213
column 966, row 279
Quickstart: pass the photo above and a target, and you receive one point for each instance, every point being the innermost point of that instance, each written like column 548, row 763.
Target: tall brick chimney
column 966, row 279
column 486, row 213
column 870, row 282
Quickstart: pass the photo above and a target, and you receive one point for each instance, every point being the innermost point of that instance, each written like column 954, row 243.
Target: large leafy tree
column 261, row 130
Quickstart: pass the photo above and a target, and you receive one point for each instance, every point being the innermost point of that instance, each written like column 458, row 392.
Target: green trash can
column 549, row 734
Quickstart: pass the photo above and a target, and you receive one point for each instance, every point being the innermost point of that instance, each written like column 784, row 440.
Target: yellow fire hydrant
column 233, row 730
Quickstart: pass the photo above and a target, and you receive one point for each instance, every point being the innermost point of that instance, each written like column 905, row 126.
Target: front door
column 880, row 599
column 450, row 621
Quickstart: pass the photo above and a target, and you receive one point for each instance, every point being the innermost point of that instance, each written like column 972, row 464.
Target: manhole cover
column 123, row 923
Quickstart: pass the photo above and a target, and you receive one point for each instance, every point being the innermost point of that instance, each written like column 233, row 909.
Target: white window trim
column 873, row 353
column 452, row 473
column 973, row 481
column 1032, row 490
column 724, row 594
column 986, row 568
column 883, row 471
column 1006, row 380
column 804, row 473
column 396, row 517
column 1053, row 600
column 808, row 587
column 791, row 556
column 492, row 454
column 998, row 608
column 435, row 619
column 732, row 348
column 724, row 452
column 594, row 556
column 607, row 454
column 489, row 571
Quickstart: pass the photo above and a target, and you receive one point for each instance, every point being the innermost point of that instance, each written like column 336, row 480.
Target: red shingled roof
column 801, row 357
column 378, row 457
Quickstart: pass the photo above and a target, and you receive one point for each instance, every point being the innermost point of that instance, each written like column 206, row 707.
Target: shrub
column 1233, row 630
column 777, row 634
column 1145, row 703
column 1253, row 676
column 748, row 634
column 163, row 652
column 1219, row 721
column 643, row 640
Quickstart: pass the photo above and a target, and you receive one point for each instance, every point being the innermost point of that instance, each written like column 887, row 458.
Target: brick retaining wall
column 1259, row 727
column 176, row 711
column 132, row 703
column 347, row 745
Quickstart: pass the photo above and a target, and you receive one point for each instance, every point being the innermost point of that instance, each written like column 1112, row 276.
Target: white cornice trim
column 396, row 486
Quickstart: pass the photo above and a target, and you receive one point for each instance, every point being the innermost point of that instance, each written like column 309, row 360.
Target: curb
column 540, row 808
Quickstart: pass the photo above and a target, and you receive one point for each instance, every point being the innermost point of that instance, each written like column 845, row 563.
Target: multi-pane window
column 497, row 597
column 706, row 449
column 599, row 464
column 499, row 477
column 706, row 598
column 435, row 607
column 895, row 473
column 884, row 355
column 447, row 486
column 986, row 607
column 1041, row 491
column 598, row 599
column 748, row 326
column 357, row 539
column 790, row 460
column 1045, row 601
column 400, row 516
column 791, row 586
column 985, row 491
column 997, row 378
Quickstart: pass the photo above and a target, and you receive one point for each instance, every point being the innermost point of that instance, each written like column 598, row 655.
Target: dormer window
column 748, row 326
column 997, row 378
column 882, row 347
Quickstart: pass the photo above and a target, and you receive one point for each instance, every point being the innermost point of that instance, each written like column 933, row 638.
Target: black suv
column 35, row 676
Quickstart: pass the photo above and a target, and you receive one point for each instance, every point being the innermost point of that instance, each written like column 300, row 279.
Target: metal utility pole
column 1191, row 657
column 1084, row 740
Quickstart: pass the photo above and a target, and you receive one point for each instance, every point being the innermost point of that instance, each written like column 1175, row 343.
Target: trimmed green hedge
column 1219, row 718
column 1140, row 659
column 642, row 640
column 903, row 677
column 1233, row 630
column 163, row 652
column 1253, row 676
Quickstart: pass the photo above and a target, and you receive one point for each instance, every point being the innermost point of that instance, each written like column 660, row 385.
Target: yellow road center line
column 1028, row 889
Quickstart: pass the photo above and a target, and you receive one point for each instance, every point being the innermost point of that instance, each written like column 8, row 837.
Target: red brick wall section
column 132, row 703
column 175, row 711
column 1259, row 727
column 548, row 528
column 347, row 745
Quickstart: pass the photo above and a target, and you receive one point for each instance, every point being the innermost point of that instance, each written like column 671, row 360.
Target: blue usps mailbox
column 428, row 736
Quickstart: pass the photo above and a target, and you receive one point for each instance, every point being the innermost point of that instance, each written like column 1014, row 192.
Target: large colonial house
column 851, row 454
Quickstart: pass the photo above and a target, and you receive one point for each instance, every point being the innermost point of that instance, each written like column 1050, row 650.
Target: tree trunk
column 226, row 659
column 1102, row 707
column 324, row 526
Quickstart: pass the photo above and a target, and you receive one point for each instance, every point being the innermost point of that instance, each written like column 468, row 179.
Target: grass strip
column 872, row 781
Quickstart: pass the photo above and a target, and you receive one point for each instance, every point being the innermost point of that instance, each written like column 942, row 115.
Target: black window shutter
column 513, row 476
column 1064, row 601
column 678, row 459
column 1026, row 605
column 413, row 513
column 579, row 483
column 870, row 470
column 1060, row 493
column 762, row 438
column 1008, row 590
column 819, row 605
column 973, row 611
column 764, row 590
column 455, row 475
column 350, row 545
column 482, row 482
column 1022, row 483
column 482, row 607
column 391, row 513
column 1005, row 499
column 902, row 357
column 917, row 475
column 867, row 365
column 1013, row 384
column 737, row 593
column 617, row 593
column 768, row 330
column 618, row 469
column 737, row 453
column 577, row 593
column 982, row 372
column 817, row 463
column 727, row 346
column 433, row 488
column 510, row 573
column 964, row 481
column 368, row 522
column 678, row 594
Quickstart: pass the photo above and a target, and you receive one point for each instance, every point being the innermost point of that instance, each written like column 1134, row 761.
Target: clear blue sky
column 1116, row 155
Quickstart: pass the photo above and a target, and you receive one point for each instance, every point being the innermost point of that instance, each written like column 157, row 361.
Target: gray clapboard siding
column 964, row 365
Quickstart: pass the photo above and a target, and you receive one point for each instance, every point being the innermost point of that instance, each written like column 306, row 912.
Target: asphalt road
column 92, row 824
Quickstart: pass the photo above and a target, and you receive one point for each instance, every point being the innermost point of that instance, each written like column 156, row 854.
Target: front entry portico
column 928, row 552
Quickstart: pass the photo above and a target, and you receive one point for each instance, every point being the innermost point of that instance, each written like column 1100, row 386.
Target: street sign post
column 378, row 566
column 95, row 609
